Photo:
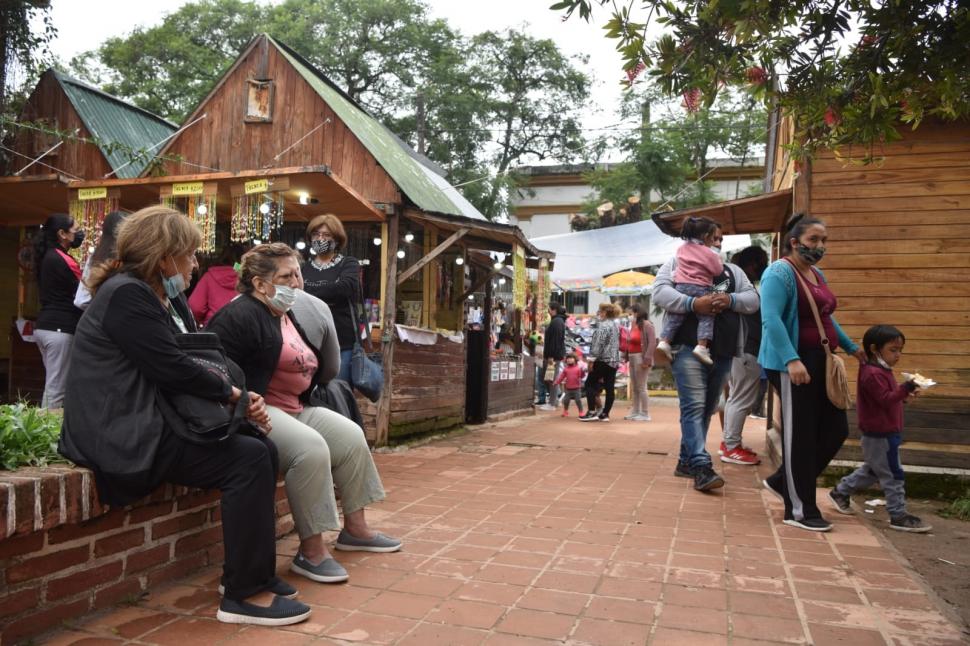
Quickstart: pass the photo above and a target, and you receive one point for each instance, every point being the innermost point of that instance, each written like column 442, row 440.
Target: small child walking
column 573, row 375
column 879, row 408
column 694, row 272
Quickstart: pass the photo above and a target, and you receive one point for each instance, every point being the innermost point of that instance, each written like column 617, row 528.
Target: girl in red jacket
column 879, row 409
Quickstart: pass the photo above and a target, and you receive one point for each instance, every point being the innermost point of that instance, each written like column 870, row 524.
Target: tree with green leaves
column 26, row 30
column 849, row 72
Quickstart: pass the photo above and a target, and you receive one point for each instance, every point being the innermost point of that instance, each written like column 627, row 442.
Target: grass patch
column 959, row 508
column 28, row 436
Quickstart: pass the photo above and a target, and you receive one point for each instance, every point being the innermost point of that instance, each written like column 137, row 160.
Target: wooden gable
column 239, row 133
column 49, row 105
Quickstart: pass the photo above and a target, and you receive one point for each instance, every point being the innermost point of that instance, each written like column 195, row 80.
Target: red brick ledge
column 64, row 554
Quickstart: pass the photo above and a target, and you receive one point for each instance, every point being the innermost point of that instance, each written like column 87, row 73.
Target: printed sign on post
column 257, row 186
column 98, row 193
column 187, row 188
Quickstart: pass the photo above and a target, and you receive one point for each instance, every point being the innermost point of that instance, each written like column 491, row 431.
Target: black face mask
column 321, row 247
column 78, row 239
column 809, row 255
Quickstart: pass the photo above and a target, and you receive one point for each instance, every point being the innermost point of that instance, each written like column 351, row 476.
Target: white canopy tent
column 589, row 255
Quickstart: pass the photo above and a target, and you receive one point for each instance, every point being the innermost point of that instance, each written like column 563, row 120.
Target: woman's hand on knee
column 798, row 373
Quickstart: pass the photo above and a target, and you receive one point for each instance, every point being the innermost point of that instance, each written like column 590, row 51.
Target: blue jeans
column 344, row 365
column 699, row 388
column 542, row 392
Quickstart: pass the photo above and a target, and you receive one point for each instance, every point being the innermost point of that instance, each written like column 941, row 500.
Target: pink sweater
column 697, row 264
column 572, row 375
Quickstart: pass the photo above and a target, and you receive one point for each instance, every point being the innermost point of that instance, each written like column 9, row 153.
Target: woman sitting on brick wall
column 318, row 447
column 125, row 355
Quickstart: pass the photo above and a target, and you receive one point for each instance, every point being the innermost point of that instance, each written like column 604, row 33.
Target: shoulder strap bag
column 836, row 381
column 366, row 371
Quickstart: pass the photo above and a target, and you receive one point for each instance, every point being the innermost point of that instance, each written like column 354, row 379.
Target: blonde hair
column 609, row 310
column 262, row 261
column 145, row 239
column 333, row 223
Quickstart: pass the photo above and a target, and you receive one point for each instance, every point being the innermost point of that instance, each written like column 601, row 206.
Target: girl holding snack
column 696, row 266
column 879, row 407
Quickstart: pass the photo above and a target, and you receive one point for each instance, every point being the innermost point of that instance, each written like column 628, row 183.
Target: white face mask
column 283, row 299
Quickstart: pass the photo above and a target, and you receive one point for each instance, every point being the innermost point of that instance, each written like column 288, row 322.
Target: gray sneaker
column 326, row 571
column 380, row 543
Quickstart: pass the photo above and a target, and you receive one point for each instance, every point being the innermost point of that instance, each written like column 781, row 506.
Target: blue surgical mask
column 174, row 285
column 283, row 299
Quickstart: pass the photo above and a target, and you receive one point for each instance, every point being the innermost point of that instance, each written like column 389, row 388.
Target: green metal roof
column 404, row 169
column 112, row 120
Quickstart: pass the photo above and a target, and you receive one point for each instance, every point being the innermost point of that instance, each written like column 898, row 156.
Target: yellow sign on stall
column 99, row 193
column 257, row 186
column 187, row 188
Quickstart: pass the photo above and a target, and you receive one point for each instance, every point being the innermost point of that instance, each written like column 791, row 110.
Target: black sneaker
column 811, row 524
column 282, row 612
column 705, row 479
column 682, row 471
column 589, row 417
column 841, row 502
column 279, row 587
column 909, row 523
column 604, row 418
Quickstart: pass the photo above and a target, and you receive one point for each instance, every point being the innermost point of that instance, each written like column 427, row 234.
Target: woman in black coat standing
column 58, row 275
column 125, row 360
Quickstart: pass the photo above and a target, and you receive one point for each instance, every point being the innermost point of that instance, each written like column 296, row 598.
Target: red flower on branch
column 634, row 72
column 692, row 100
column 756, row 75
column 831, row 117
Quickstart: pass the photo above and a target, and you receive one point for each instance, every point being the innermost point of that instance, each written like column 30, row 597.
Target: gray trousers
column 880, row 464
column 574, row 394
column 743, row 385
column 318, row 449
column 638, row 385
column 55, row 350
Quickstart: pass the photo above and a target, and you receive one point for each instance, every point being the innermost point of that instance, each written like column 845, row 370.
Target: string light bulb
column 400, row 253
column 377, row 242
column 409, row 237
column 264, row 208
column 202, row 209
column 459, row 261
column 304, row 198
column 300, row 245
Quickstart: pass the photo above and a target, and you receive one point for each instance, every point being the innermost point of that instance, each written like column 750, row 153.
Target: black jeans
column 244, row 469
column 813, row 431
column 603, row 375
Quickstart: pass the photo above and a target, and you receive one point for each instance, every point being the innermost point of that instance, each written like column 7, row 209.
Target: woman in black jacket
column 335, row 279
column 318, row 448
column 125, row 359
column 58, row 275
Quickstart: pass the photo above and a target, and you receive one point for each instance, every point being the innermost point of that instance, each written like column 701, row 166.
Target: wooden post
column 487, row 359
column 383, row 421
column 419, row 265
column 802, row 190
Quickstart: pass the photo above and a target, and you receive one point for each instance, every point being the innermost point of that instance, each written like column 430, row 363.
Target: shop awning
column 764, row 213
column 31, row 198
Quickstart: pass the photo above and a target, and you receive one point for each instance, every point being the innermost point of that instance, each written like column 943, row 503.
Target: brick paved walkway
column 544, row 530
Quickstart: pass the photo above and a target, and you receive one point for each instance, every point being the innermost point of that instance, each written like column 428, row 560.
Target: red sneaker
column 740, row 455
column 565, row 413
column 723, row 449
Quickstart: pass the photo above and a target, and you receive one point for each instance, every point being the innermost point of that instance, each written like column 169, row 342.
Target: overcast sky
column 84, row 25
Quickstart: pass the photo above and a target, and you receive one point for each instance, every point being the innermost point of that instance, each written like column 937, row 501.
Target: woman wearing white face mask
column 317, row 447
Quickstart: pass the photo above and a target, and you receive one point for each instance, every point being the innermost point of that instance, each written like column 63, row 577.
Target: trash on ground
column 876, row 502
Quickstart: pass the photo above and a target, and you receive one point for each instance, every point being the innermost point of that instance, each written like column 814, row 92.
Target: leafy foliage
column 489, row 101
column 848, row 71
column 28, row 436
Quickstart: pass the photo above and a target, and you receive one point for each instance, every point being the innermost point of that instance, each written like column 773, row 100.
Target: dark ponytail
column 797, row 225
column 47, row 238
column 698, row 228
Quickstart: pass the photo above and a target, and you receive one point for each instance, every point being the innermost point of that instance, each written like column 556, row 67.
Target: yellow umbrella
column 627, row 283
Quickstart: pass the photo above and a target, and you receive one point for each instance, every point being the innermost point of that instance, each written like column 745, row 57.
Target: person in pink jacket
column 217, row 286
column 697, row 263
column 573, row 375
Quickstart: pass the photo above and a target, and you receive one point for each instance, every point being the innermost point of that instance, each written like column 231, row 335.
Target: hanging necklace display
column 257, row 212
column 197, row 200
column 88, row 206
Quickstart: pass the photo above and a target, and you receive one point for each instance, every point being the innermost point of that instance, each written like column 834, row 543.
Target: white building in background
column 551, row 195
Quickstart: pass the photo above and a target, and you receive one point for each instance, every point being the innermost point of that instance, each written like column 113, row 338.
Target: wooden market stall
column 898, row 228
column 276, row 143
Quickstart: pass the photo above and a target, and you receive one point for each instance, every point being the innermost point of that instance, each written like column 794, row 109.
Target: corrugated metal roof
column 112, row 120
column 407, row 172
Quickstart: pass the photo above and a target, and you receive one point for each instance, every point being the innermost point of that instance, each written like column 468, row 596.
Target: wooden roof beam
column 437, row 251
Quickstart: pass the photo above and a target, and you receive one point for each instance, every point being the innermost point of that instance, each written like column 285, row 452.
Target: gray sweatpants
column 743, row 386
column 880, row 464
column 55, row 350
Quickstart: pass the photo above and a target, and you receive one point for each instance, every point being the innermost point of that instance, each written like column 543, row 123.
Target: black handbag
column 197, row 419
column 366, row 370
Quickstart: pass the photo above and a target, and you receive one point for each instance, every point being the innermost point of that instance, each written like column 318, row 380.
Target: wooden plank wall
column 513, row 394
column 429, row 387
column 899, row 231
column 50, row 105
column 225, row 141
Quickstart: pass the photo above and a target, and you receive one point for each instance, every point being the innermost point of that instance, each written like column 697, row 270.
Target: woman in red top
column 640, row 348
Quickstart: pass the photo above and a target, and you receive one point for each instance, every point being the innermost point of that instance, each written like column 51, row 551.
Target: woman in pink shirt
column 642, row 342
column 696, row 266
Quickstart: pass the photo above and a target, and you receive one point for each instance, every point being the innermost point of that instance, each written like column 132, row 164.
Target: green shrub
column 28, row 436
column 959, row 508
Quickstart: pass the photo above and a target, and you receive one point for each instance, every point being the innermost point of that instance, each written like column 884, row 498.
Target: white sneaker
column 664, row 347
column 547, row 407
column 641, row 418
column 629, row 417
column 703, row 354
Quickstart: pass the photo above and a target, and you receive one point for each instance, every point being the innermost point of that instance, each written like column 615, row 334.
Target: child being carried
column 698, row 264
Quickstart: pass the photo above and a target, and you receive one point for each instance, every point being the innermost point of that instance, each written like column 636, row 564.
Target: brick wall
column 63, row 554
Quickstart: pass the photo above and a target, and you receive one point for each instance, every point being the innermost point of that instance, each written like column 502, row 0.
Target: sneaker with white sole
column 738, row 455
column 281, row 612
column 811, row 524
column 909, row 523
column 326, row 571
column 841, row 502
column 378, row 543
column 642, row 418
column 703, row 354
column 664, row 347
column 777, row 494
column 279, row 587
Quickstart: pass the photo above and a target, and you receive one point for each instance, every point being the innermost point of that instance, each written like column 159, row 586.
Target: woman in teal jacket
column 791, row 352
